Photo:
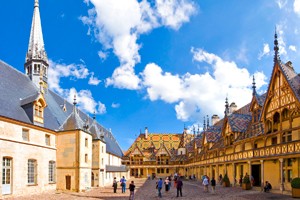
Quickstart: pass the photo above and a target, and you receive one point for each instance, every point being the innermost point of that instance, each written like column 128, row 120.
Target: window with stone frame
column 25, row 134
column 32, row 172
column 47, row 139
column 51, row 173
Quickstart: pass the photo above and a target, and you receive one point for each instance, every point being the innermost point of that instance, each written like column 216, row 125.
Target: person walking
column 179, row 187
column 115, row 185
column 131, row 189
column 159, row 187
column 167, row 184
column 213, row 184
column 205, row 183
column 123, row 184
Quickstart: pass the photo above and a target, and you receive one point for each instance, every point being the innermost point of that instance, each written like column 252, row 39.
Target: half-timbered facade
column 261, row 138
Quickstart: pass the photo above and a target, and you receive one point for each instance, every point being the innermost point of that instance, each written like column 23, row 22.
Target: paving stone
column 145, row 190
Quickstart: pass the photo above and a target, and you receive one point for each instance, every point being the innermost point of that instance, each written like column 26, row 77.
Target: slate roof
column 239, row 122
column 113, row 168
column 292, row 77
column 17, row 89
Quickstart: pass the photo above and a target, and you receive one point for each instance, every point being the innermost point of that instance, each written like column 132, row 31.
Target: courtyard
column 145, row 189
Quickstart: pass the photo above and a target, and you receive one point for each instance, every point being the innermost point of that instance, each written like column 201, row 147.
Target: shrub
column 226, row 179
column 295, row 183
column 246, row 179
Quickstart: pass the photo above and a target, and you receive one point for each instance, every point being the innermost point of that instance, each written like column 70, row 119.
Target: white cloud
column 174, row 13
column 93, row 80
column 115, row 105
column 85, row 98
column 101, row 108
column 118, row 24
column 58, row 70
column 102, row 55
column 297, row 7
column 196, row 95
column 265, row 52
column 292, row 48
column 281, row 3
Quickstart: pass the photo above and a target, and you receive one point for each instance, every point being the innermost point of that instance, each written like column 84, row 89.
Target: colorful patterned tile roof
column 239, row 122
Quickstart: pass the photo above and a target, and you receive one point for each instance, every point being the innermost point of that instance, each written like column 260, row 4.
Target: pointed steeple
column 276, row 48
column 226, row 112
column 253, row 87
column 36, row 62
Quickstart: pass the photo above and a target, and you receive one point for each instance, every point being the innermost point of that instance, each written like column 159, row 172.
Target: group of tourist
column 123, row 185
column 178, row 184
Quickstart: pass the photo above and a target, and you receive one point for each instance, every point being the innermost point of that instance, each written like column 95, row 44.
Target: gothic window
column 274, row 140
column 276, row 121
column 231, row 139
column 268, row 127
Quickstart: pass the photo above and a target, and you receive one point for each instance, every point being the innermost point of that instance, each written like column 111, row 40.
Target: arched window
column 268, row 127
column 276, row 121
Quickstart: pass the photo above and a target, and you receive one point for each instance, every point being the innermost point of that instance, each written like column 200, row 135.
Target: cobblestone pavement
column 145, row 190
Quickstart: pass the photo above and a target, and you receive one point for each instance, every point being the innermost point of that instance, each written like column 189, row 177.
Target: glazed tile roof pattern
column 16, row 89
column 239, row 122
column 213, row 133
column 292, row 77
column 261, row 98
column 155, row 142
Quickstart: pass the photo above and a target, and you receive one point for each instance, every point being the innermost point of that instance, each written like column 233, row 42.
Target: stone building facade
column 47, row 143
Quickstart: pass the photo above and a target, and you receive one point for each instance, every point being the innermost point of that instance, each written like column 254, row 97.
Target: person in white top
column 205, row 183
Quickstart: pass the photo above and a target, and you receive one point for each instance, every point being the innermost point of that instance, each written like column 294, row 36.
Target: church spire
column 36, row 58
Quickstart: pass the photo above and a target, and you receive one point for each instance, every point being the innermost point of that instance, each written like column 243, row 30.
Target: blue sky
column 158, row 64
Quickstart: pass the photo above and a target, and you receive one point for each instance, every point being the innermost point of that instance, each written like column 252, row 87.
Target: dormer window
column 38, row 110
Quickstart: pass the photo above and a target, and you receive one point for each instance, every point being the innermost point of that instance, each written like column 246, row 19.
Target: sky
column 161, row 64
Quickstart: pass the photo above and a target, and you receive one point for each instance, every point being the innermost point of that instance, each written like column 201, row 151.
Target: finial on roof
column 94, row 115
column 36, row 3
column 253, row 86
column 194, row 131
column 207, row 121
column 184, row 127
column 74, row 102
column 226, row 112
column 204, row 124
column 198, row 132
column 276, row 48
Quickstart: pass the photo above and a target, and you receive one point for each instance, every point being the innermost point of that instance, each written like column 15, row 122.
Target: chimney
column 214, row 119
column 232, row 108
column 146, row 133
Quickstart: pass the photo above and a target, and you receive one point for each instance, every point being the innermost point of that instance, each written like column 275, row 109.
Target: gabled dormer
column 282, row 99
column 34, row 106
